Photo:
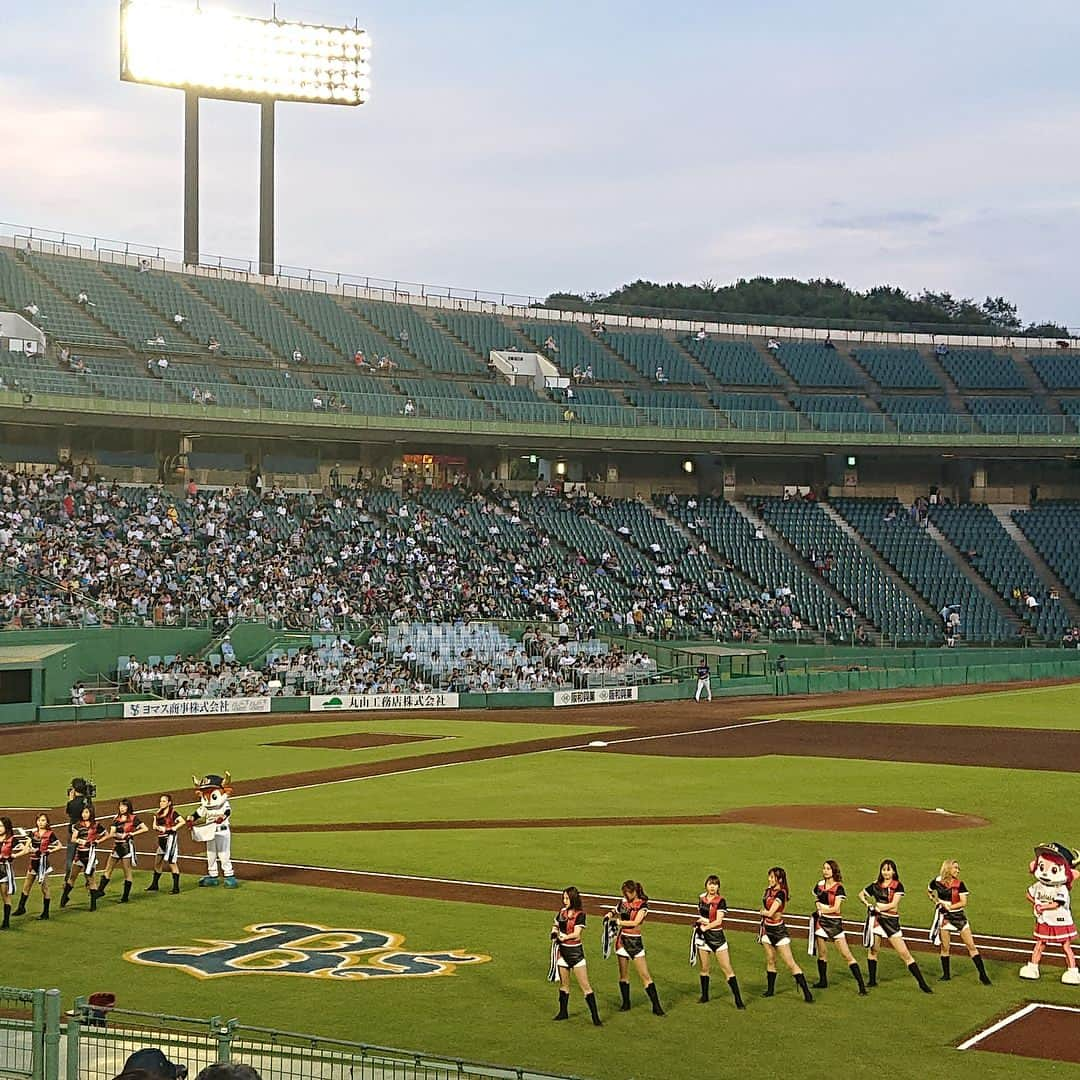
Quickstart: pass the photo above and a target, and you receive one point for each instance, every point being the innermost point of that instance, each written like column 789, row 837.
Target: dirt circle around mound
column 870, row 818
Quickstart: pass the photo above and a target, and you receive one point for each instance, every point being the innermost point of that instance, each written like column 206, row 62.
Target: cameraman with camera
column 80, row 794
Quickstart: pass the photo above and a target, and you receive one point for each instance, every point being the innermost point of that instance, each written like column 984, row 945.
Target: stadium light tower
column 215, row 54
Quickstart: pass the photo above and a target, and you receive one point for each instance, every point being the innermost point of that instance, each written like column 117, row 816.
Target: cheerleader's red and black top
column 123, row 826
column 628, row 910
column 168, row 821
column 85, row 834
column 42, row 842
column 885, row 893
column 570, row 922
column 773, row 894
column 950, row 894
column 708, row 906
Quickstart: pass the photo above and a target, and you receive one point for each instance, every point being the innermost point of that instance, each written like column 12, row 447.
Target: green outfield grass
column 672, row 860
column 1046, row 708
column 168, row 761
column 500, row 1011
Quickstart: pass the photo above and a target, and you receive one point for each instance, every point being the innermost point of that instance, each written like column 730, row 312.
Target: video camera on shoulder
column 86, row 788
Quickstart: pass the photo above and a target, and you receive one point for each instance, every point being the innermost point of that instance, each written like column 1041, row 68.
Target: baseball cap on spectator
column 153, row 1061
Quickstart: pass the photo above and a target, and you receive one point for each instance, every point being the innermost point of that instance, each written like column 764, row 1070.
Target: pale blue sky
column 534, row 147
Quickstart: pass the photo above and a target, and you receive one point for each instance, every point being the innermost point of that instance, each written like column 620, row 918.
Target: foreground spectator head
column 151, row 1062
column 230, row 1070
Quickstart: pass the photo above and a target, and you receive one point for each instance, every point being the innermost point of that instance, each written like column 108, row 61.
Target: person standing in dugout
column 882, row 899
column 624, row 921
column 167, row 823
column 709, row 939
column 43, row 842
column 126, row 825
column 84, row 835
column 774, row 935
column 950, row 895
column 11, row 847
column 568, row 954
column 827, row 924
column 704, row 682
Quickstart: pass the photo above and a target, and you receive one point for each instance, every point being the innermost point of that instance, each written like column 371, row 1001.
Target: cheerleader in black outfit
column 43, row 842
column 828, row 925
column 122, row 832
column 710, row 939
column 774, row 935
column 84, row 835
column 566, row 930
column 882, row 898
column 11, row 847
column 950, row 895
column 626, row 918
column 167, row 822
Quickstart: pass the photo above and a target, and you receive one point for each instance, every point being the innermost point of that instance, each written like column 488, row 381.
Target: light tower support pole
column 266, row 190
column 191, row 177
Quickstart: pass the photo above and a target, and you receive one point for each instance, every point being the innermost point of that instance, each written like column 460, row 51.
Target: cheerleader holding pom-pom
column 624, row 921
column 708, row 939
column 43, row 842
column 827, row 925
column 11, row 847
column 882, row 899
column 774, row 935
column 84, row 837
column 949, row 895
column 568, row 954
column 126, row 825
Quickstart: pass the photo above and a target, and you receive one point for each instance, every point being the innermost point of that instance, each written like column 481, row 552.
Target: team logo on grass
column 318, row 952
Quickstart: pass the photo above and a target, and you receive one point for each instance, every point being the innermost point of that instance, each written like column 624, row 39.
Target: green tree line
column 818, row 299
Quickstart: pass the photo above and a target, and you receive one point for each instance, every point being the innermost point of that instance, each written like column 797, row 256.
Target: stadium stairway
column 988, row 591
column 793, row 555
column 1046, row 575
column 952, row 391
column 888, row 570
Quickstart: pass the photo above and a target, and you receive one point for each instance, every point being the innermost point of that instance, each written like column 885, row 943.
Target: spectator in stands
column 228, row 1070
column 941, row 349
column 179, row 319
column 228, row 653
column 550, row 344
column 33, row 312
column 156, row 341
column 386, row 364
column 317, row 403
column 773, row 346
column 1033, row 494
column 151, row 1064
column 403, row 338
column 144, row 266
column 162, row 365
column 828, row 344
column 297, row 356
column 409, row 408
column 83, row 299
column 569, row 415
column 659, row 375
column 701, row 335
column 196, row 395
column 78, row 366
column 213, row 344
column 587, row 375
column 598, row 327
column 359, row 359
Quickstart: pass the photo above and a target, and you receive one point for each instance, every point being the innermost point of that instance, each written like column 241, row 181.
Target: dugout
column 29, row 676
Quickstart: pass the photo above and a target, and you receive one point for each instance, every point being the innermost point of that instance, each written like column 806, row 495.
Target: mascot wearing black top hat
column 210, row 824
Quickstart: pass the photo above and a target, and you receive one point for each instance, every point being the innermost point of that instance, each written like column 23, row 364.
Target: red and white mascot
column 209, row 823
column 1050, row 897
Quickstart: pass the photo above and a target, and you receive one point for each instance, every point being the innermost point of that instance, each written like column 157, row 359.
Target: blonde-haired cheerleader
column 11, row 847
column 882, row 899
column 827, row 924
column 43, row 842
column 167, row 822
column 950, row 895
column 624, row 921
column 568, row 954
column 126, row 825
column 708, row 939
column 774, row 935
column 84, row 835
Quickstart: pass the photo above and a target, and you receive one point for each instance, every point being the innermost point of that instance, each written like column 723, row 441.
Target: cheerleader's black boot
column 734, row 984
column 564, row 1000
column 153, row 886
column 92, row 893
column 977, row 960
column 946, row 975
column 704, row 980
column 65, row 895
column 21, row 909
column 917, row 975
column 175, row 884
column 45, row 909
column 590, row 1000
column 822, row 975
column 103, row 884
column 800, row 982
column 6, row 924
column 655, row 999
column 770, row 978
column 127, row 893
column 856, row 974
column 624, row 990
column 871, row 967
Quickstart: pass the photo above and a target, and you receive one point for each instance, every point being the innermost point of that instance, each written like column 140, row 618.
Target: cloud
column 885, row 219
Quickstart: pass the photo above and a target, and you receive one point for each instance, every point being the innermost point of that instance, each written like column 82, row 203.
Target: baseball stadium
column 408, row 681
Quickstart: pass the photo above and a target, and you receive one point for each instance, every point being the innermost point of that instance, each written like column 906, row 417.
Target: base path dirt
column 818, row 818
column 358, row 740
column 1047, row 1033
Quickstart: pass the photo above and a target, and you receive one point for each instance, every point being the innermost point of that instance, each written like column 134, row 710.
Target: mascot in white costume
column 210, row 823
column 1055, row 871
